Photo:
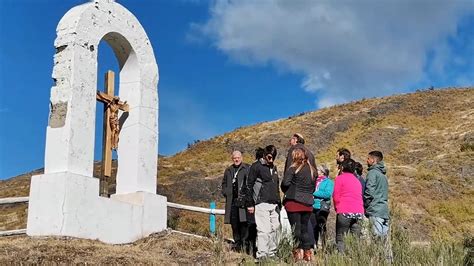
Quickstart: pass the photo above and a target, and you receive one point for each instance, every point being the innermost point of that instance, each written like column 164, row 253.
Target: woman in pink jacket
column 347, row 203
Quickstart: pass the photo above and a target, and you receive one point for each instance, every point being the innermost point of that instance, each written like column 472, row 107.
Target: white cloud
column 344, row 49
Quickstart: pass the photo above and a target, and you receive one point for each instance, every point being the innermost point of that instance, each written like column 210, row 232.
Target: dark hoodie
column 376, row 191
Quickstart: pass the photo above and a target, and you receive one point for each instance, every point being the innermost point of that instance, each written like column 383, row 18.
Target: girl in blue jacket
column 322, row 204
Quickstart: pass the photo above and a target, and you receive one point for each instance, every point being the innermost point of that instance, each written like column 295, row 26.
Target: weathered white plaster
column 65, row 200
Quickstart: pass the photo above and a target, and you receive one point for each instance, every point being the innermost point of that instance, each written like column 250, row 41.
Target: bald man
column 235, row 178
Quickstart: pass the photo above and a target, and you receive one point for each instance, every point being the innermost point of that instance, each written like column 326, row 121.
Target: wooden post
column 106, row 139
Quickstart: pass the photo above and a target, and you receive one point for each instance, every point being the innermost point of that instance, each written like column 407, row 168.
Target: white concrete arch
column 65, row 199
column 70, row 145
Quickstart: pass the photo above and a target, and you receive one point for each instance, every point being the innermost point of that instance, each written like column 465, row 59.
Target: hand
column 251, row 210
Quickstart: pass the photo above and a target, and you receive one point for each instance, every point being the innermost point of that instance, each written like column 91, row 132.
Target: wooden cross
column 110, row 140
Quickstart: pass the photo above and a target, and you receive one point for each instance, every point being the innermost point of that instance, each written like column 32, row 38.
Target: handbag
column 325, row 205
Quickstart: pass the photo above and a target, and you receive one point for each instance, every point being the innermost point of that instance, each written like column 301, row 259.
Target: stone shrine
column 65, row 201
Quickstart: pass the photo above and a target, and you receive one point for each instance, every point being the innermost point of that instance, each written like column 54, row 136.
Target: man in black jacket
column 234, row 180
column 264, row 193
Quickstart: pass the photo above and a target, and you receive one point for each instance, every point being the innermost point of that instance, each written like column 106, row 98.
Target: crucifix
column 112, row 105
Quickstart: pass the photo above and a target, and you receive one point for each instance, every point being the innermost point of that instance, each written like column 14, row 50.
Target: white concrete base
column 68, row 204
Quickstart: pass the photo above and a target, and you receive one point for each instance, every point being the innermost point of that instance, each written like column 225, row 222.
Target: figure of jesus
column 113, row 106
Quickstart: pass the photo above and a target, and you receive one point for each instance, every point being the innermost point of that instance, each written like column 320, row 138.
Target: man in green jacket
column 376, row 194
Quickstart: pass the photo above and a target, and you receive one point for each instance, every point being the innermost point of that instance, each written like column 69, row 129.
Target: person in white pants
column 263, row 178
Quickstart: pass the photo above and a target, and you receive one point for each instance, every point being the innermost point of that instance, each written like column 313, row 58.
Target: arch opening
column 116, row 54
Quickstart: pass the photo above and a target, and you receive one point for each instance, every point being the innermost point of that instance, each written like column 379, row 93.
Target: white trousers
column 267, row 220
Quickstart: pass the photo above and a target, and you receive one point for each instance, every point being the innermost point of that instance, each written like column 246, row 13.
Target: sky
column 227, row 64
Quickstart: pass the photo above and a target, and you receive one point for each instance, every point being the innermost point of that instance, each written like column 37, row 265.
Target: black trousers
column 299, row 223
column 251, row 244
column 318, row 221
column 343, row 226
column 240, row 230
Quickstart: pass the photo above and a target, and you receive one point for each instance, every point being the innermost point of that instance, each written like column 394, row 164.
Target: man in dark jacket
column 234, row 180
column 376, row 194
column 264, row 193
column 297, row 141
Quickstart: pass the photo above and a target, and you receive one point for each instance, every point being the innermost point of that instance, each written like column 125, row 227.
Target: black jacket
column 267, row 177
column 289, row 158
column 299, row 186
column 227, row 191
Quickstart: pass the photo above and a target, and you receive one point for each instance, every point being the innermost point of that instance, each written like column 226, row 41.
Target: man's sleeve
column 369, row 191
column 289, row 160
column 224, row 184
column 251, row 179
column 312, row 160
column 286, row 181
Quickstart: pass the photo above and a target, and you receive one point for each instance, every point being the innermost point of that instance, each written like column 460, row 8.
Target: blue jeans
column 379, row 226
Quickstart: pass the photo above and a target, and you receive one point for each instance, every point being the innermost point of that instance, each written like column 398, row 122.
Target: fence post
column 212, row 218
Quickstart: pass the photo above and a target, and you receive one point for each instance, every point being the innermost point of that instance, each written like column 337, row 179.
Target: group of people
column 253, row 201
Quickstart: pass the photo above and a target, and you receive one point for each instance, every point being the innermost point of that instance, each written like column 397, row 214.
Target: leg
column 321, row 218
column 355, row 227
column 311, row 229
column 275, row 225
column 305, row 239
column 342, row 227
column 244, row 234
column 262, row 219
column 379, row 226
column 314, row 225
column 295, row 222
column 307, row 244
column 253, row 239
column 235, row 223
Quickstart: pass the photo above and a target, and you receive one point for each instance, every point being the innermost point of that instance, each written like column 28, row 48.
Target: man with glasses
column 264, row 186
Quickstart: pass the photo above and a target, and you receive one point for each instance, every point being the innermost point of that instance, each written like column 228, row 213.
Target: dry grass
column 160, row 249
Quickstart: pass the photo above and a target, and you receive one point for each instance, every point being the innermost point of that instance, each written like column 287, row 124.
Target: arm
column 311, row 159
column 251, row 179
column 337, row 192
column 289, row 159
column 369, row 191
column 325, row 190
column 224, row 183
column 287, row 179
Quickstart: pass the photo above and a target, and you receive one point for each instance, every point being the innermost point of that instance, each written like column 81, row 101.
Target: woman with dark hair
column 347, row 203
column 322, row 204
column 298, row 185
column 264, row 202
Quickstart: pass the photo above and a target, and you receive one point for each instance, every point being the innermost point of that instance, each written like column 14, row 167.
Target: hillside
column 427, row 138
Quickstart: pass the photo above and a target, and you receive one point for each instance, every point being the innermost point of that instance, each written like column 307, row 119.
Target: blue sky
column 226, row 64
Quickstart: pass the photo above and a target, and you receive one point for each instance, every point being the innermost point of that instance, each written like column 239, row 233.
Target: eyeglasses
column 269, row 157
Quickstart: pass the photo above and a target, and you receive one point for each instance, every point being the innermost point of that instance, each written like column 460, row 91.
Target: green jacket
column 376, row 192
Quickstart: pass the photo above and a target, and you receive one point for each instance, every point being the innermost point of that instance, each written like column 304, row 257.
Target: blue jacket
column 324, row 191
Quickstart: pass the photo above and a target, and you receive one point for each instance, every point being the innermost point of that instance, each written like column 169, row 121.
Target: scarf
column 319, row 180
